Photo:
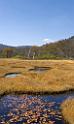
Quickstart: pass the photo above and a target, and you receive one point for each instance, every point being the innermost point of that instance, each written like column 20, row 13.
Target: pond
column 11, row 75
column 39, row 69
column 31, row 109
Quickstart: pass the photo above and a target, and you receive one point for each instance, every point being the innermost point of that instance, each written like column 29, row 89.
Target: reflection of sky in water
column 12, row 75
column 31, row 109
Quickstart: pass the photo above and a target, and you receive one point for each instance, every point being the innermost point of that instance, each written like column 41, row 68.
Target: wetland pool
column 40, row 69
column 11, row 75
column 32, row 109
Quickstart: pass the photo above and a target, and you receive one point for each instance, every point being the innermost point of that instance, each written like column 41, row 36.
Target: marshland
column 36, row 91
column 36, row 61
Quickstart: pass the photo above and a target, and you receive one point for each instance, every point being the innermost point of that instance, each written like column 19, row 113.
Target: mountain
column 60, row 49
column 2, row 46
column 63, row 49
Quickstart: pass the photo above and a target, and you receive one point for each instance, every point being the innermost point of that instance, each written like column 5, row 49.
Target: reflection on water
column 11, row 75
column 27, row 109
column 40, row 69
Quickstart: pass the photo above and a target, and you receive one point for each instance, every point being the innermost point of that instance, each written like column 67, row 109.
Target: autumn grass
column 68, row 110
column 59, row 78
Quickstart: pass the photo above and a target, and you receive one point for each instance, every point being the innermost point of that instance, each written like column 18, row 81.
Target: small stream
column 32, row 109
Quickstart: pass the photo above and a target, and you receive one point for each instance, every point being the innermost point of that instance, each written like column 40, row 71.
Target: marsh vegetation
column 68, row 110
column 36, row 77
column 57, row 76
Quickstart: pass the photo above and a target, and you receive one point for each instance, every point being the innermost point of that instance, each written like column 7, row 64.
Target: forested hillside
column 63, row 49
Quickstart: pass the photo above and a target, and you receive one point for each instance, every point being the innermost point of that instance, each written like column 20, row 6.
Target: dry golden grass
column 68, row 110
column 59, row 78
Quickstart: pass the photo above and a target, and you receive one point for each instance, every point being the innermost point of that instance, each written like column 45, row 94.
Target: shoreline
column 37, row 93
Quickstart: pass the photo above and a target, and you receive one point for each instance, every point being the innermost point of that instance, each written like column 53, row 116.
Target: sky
column 35, row 22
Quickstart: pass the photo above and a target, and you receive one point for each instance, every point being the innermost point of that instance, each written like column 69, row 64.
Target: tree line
column 63, row 49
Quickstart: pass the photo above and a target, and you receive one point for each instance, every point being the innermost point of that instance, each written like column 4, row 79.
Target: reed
column 68, row 110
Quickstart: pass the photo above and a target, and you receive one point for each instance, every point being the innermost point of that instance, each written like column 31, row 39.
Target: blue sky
column 35, row 22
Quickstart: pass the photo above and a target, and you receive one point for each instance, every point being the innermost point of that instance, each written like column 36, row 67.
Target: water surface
column 12, row 75
column 31, row 109
column 40, row 69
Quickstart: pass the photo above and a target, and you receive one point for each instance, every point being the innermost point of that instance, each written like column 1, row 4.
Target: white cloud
column 47, row 40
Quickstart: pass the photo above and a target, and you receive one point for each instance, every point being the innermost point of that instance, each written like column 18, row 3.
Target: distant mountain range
column 63, row 49
column 2, row 46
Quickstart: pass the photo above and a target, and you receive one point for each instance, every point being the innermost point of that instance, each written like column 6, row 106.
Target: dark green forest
column 62, row 49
